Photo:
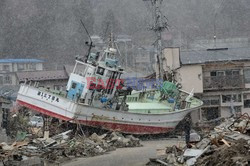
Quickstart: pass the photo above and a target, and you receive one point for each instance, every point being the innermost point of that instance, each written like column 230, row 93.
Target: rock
column 195, row 137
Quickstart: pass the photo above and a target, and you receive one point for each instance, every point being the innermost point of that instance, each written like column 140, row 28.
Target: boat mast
column 87, row 43
column 158, row 28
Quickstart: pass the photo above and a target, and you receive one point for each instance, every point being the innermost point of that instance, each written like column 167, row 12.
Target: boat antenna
column 87, row 43
column 158, row 28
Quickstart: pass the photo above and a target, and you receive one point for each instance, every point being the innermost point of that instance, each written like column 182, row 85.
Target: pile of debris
column 64, row 146
column 227, row 144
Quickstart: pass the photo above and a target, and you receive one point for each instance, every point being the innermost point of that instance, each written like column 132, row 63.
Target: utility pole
column 158, row 28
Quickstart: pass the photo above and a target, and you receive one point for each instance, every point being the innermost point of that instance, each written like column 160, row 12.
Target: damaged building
column 220, row 77
column 9, row 67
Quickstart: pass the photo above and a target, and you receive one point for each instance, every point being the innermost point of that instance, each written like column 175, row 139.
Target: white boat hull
column 62, row 108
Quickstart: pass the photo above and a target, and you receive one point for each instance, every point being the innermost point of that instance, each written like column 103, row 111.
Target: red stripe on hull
column 126, row 128
column 43, row 111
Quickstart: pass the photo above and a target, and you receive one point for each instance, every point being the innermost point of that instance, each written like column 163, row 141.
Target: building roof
column 21, row 61
column 42, row 75
column 211, row 55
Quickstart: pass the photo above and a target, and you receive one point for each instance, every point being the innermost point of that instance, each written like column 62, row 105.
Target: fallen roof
column 21, row 61
column 42, row 75
column 214, row 55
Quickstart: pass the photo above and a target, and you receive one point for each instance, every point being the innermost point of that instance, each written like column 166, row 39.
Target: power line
column 189, row 38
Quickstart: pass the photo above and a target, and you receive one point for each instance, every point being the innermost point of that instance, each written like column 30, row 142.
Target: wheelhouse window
column 100, row 71
column 80, row 69
column 73, row 86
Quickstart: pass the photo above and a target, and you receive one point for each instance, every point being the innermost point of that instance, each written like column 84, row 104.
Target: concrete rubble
column 228, row 144
column 61, row 147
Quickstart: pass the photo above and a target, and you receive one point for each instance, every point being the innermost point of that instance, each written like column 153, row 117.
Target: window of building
column 239, row 98
column 6, row 67
column 247, row 75
column 206, row 102
column 1, row 80
column 236, row 72
column 210, row 113
column 234, row 97
column 247, row 103
column 225, row 73
column 220, row 73
column 226, row 98
column 213, row 73
column 211, row 102
column 32, row 66
column 228, row 72
column 215, row 102
column 20, row 66
column 7, row 79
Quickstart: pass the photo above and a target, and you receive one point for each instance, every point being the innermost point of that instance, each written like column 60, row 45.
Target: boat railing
column 35, row 84
column 30, row 83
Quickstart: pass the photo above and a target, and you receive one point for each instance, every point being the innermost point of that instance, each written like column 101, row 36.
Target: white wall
column 172, row 56
column 190, row 77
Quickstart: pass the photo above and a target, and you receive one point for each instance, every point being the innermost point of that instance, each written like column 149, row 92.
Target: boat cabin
column 94, row 81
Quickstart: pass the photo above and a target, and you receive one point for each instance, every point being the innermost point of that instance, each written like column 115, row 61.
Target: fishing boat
column 95, row 97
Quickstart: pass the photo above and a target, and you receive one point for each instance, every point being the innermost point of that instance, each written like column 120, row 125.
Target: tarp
column 169, row 89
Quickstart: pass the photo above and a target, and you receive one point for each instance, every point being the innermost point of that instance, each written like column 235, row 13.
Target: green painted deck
column 149, row 103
